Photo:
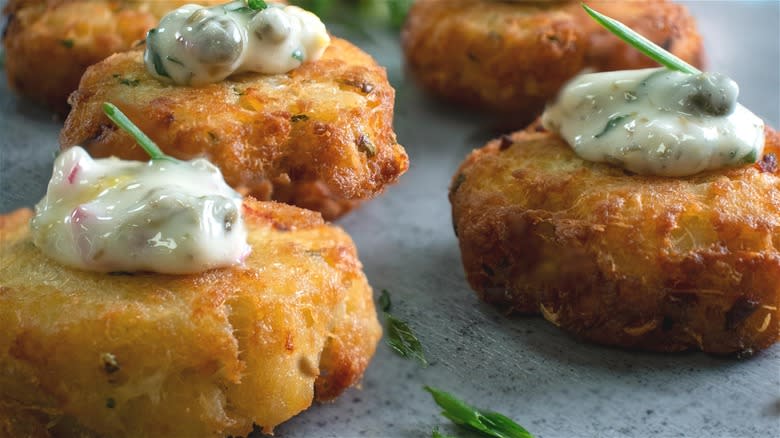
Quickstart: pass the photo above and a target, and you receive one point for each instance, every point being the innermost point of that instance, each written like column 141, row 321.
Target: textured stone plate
column 524, row 367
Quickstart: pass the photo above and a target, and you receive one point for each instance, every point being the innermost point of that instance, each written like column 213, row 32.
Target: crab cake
column 50, row 43
column 512, row 57
column 200, row 355
column 320, row 136
column 498, row 55
column 635, row 261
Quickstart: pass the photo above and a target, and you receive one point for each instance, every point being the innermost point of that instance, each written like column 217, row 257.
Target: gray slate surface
column 524, row 367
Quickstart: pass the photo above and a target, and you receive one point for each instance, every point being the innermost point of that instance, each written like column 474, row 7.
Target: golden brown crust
column 49, row 44
column 514, row 56
column 635, row 261
column 320, row 136
column 194, row 355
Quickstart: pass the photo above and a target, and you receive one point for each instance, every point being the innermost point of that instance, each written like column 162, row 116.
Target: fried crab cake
column 320, row 136
column 50, row 43
column 512, row 57
column 645, row 262
column 197, row 355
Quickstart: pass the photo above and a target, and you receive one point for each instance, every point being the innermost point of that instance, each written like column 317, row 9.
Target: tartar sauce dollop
column 195, row 45
column 166, row 216
column 657, row 121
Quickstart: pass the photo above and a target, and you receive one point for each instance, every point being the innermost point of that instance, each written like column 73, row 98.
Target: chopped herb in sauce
column 158, row 65
column 159, row 68
column 612, row 123
column 241, row 10
column 67, row 43
column 750, row 157
column 174, row 60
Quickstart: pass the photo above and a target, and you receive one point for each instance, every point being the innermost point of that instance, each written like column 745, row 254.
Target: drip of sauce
column 109, row 215
column 195, row 45
column 657, row 121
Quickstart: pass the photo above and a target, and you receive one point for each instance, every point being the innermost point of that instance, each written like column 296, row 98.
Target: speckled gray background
column 524, row 367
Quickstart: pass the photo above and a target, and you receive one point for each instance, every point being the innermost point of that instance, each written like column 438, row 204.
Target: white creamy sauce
column 657, row 121
column 165, row 216
column 195, row 45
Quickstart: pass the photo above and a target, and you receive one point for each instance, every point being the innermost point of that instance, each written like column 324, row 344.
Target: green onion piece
column 437, row 434
column 649, row 48
column 257, row 5
column 400, row 337
column 751, row 157
column 146, row 143
column 491, row 424
column 611, row 124
column 403, row 341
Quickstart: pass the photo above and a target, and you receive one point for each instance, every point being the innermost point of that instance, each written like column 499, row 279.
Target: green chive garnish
column 257, row 5
column 400, row 336
column 649, row 48
column 146, row 143
column 485, row 423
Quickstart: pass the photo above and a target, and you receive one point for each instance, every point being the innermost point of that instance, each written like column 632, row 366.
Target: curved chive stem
column 142, row 139
column 649, row 48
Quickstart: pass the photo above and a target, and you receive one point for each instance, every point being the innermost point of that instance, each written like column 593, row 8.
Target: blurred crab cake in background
column 285, row 111
column 513, row 56
column 665, row 23
column 50, row 43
